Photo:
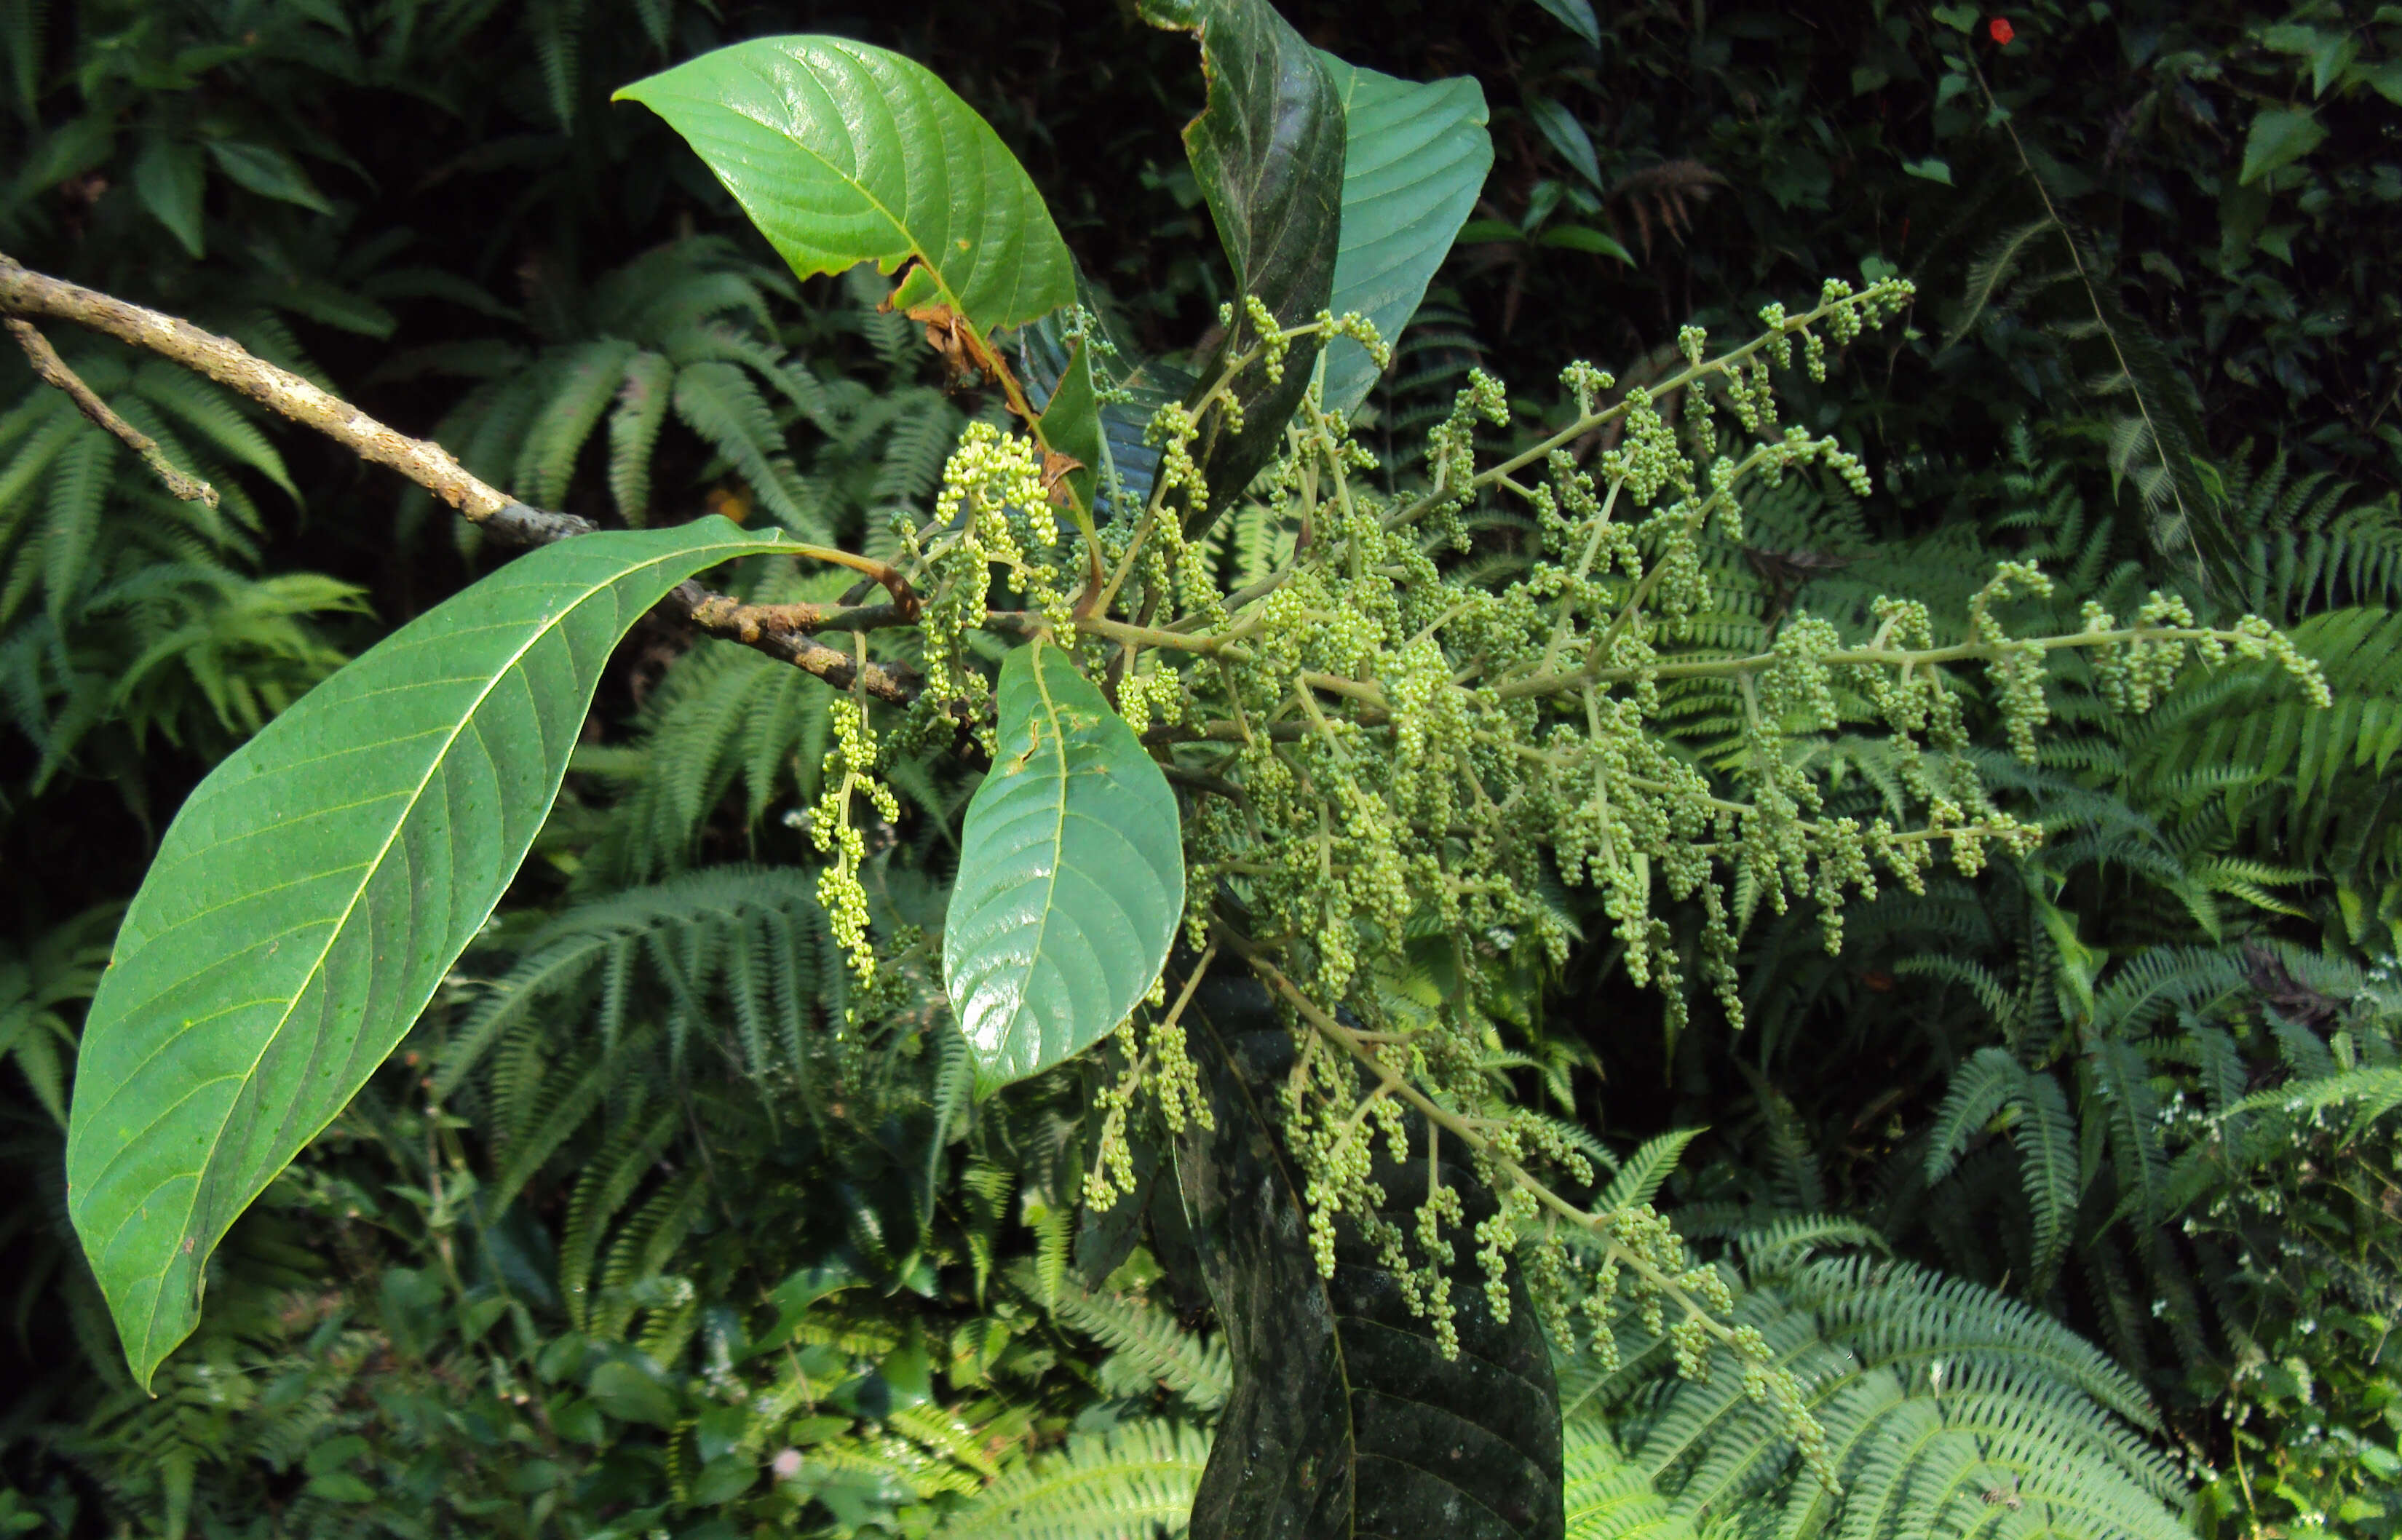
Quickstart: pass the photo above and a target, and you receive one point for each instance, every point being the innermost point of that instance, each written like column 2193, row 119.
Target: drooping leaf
column 842, row 153
column 1414, row 158
column 313, row 892
column 1267, row 150
column 1346, row 1419
column 1071, row 875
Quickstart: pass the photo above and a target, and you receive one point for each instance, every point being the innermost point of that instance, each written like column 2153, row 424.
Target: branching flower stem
column 1468, row 1130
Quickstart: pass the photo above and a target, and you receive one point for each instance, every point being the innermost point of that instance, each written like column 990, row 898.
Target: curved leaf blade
column 1267, row 150
column 842, row 153
column 313, row 892
column 1071, row 875
column 1414, row 158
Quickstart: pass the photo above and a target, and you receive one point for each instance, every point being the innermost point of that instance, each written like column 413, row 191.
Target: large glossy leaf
column 842, row 153
column 1071, row 875
column 313, row 892
column 1267, row 150
column 1346, row 1420
column 1414, row 159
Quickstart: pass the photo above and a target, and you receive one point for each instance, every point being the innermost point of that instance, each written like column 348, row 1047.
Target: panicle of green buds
column 850, row 769
column 1402, row 767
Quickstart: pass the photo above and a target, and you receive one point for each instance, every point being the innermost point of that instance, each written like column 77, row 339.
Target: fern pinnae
column 534, row 1144
column 1606, row 1495
column 607, row 1182
column 1640, row 1178
column 1985, row 1082
column 579, row 381
column 719, row 402
column 2045, row 1134
column 642, row 408
column 1126, row 1484
column 211, row 413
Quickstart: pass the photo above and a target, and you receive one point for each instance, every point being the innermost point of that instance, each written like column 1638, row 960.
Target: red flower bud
column 2002, row 31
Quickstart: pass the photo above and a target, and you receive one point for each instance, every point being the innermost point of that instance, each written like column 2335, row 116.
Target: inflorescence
column 1401, row 764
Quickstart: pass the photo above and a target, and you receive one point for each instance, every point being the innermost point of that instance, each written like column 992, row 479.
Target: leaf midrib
column 1058, row 837
column 341, row 922
column 917, row 248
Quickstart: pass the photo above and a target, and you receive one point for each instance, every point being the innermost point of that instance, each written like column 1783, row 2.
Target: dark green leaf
column 1071, row 875
column 1267, row 150
column 1414, row 159
column 1046, row 355
column 1581, row 238
column 630, row 1392
column 1346, row 1420
column 842, row 153
column 2279, row 136
column 169, row 180
column 1576, row 16
column 1567, row 136
column 313, row 891
column 270, row 173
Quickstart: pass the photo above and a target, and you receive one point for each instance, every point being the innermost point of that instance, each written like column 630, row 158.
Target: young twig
column 54, row 372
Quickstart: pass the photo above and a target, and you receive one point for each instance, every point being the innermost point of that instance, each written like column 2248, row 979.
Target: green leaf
column 1346, row 1419
column 1267, row 150
column 1414, row 158
column 169, row 178
column 1567, row 136
column 630, row 1393
column 270, row 173
column 2279, row 136
column 1932, row 168
column 2385, row 79
column 1480, row 231
column 1583, row 238
column 842, row 153
column 313, row 891
column 1576, row 16
column 1071, row 875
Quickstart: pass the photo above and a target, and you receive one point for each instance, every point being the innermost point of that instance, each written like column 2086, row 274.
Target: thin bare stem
column 54, row 372
column 25, row 293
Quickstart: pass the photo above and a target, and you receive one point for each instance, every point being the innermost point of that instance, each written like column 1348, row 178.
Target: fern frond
column 1145, row 1336
column 581, row 380
column 1639, row 1177
column 1127, row 1484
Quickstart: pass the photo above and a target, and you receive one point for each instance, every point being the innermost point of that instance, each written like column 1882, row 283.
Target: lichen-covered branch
column 54, row 373
column 773, row 630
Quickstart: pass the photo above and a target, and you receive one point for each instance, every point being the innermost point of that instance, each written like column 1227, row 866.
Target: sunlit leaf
column 313, row 891
column 1414, row 158
column 1071, row 875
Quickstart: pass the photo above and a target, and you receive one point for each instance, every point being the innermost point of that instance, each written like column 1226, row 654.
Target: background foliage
column 632, row 1238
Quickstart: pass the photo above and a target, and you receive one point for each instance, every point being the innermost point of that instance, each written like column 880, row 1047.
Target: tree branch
column 54, row 372
column 771, row 629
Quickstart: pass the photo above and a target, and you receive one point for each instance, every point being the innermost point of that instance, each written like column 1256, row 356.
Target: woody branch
column 777, row 630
